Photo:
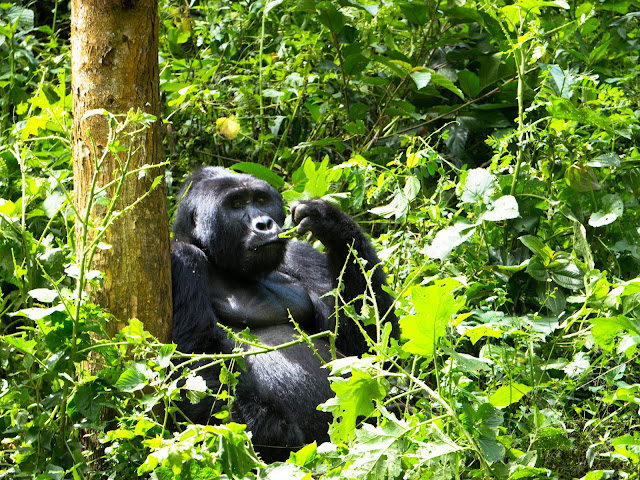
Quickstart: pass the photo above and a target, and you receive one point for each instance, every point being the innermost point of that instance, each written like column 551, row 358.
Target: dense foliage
column 491, row 147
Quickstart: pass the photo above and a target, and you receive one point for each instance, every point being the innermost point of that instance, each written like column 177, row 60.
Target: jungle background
column 490, row 149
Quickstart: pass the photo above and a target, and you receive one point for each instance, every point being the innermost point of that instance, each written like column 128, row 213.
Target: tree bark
column 114, row 61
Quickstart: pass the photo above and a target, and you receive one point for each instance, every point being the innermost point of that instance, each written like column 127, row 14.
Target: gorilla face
column 235, row 219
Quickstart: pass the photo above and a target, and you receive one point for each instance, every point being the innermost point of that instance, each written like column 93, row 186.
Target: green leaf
column 21, row 343
column 448, row 239
column 609, row 160
column 508, row 394
column 469, row 83
column 538, row 247
column 581, row 179
column 415, row 12
column 606, row 329
column 478, row 186
column 412, row 188
column 354, row 397
column 555, row 301
column 280, row 471
column 38, row 313
column 7, row 207
column 86, row 400
column 398, row 207
column 44, row 295
column 421, row 78
column 435, row 306
column 467, row 363
column 581, row 244
column 445, row 83
column 131, row 380
column 482, row 331
column 561, row 81
column 23, row 17
column 492, row 449
column 260, row 171
column 164, row 355
column 330, row 17
column 355, row 64
column 537, row 269
column 270, row 5
column 378, row 451
column 319, row 177
column 612, row 209
column 54, row 472
column 196, row 388
column 569, row 276
column 358, row 111
column 504, row 208
column 53, row 203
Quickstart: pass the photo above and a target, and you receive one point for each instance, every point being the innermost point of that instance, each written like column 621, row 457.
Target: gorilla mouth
column 275, row 241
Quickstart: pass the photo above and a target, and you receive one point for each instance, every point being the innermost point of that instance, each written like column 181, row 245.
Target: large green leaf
column 330, row 17
column 504, row 208
column 131, row 380
column 612, row 208
column 378, row 451
column 448, row 239
column 478, row 186
column 509, row 394
column 435, row 306
column 354, row 398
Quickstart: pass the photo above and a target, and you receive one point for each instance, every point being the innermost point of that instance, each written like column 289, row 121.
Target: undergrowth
column 489, row 148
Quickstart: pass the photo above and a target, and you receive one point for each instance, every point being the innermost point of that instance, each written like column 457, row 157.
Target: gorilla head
column 234, row 218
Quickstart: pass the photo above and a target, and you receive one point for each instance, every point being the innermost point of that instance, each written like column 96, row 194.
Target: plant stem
column 260, row 100
column 520, row 151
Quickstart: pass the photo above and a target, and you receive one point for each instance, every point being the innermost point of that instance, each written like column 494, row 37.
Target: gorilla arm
column 341, row 235
column 195, row 323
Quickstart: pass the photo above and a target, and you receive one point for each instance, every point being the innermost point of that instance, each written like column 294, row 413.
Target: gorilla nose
column 265, row 225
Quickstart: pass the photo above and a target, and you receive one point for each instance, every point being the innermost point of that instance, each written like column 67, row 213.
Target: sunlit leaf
column 448, row 239
column 537, row 246
column 435, row 306
column 504, row 208
column 421, row 78
column 611, row 209
column 581, row 179
column 44, row 295
column 478, row 186
column 354, row 397
column 378, row 451
column 508, row 394
column 606, row 160
column 131, row 380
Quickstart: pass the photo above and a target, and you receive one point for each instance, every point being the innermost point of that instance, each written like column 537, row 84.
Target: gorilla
column 231, row 267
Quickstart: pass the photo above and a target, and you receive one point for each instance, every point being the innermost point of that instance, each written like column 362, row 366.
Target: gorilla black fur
column 229, row 266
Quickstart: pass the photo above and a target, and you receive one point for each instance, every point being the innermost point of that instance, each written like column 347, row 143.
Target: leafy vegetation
column 491, row 147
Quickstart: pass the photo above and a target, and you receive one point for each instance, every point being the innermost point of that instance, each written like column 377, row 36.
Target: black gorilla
column 229, row 266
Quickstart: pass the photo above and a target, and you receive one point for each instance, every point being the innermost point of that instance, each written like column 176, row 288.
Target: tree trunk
column 114, row 61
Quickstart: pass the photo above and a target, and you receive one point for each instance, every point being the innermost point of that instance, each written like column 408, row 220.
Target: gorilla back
column 230, row 267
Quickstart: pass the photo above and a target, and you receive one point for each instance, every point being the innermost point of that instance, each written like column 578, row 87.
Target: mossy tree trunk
column 114, row 61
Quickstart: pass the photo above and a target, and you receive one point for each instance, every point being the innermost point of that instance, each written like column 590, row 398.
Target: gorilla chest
column 260, row 303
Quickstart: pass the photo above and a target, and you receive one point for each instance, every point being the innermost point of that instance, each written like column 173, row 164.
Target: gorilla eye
column 262, row 199
column 238, row 203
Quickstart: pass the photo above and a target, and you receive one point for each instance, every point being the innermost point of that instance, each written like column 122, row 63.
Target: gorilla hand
column 327, row 223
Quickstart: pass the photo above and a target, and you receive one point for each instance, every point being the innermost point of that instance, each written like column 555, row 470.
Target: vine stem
column 520, row 151
column 260, row 99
